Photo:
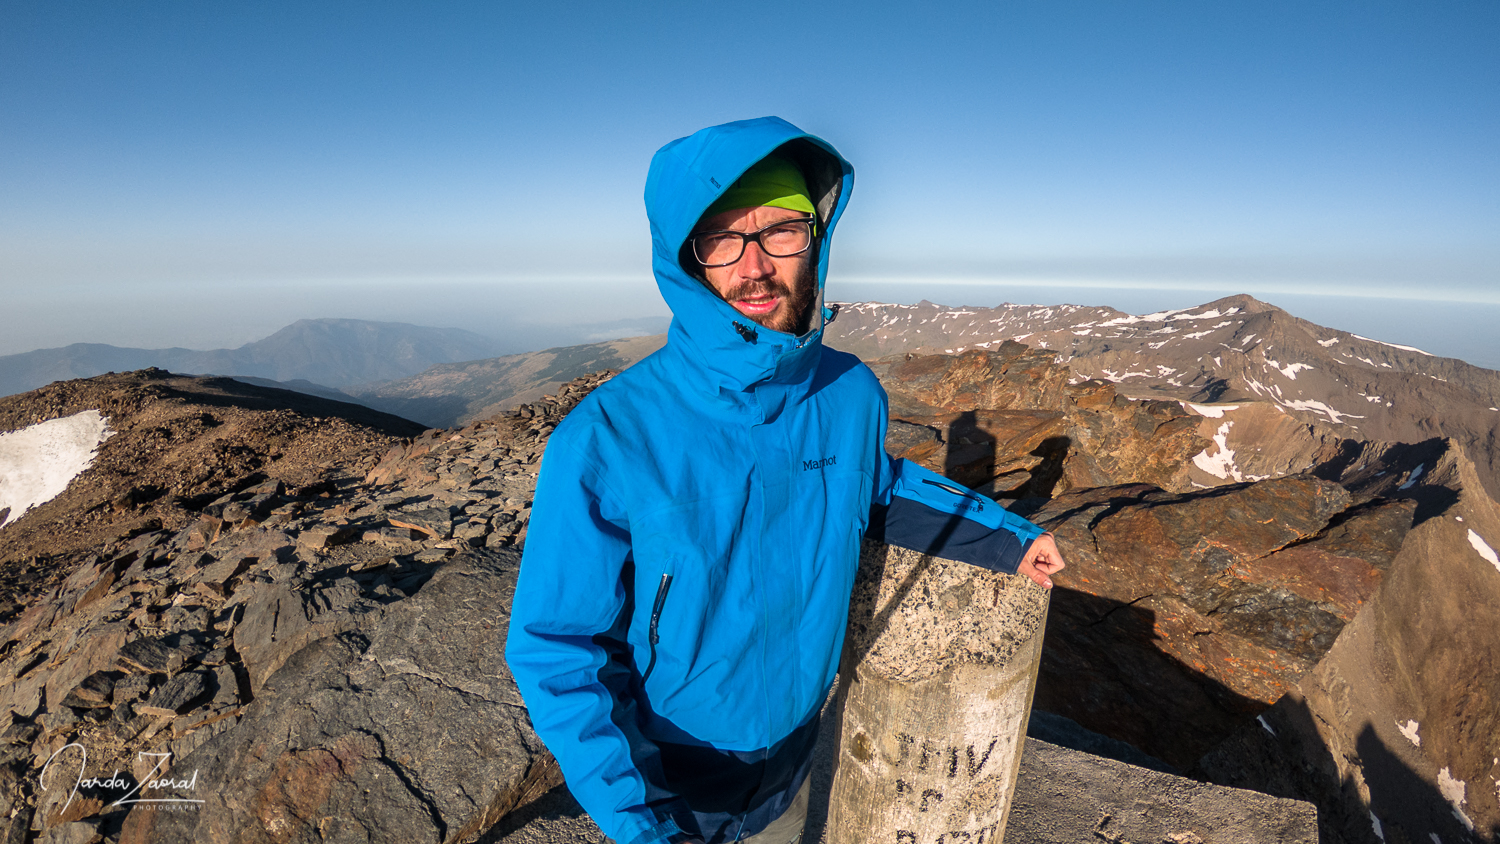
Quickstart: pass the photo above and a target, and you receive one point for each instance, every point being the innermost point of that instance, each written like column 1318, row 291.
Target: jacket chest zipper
column 652, row 637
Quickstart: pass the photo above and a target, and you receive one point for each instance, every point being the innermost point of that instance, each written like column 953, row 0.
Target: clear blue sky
column 201, row 173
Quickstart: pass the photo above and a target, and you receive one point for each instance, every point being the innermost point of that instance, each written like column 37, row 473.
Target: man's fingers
column 1030, row 570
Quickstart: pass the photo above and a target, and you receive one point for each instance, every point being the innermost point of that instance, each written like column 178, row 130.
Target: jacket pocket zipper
column 964, row 493
column 653, row 637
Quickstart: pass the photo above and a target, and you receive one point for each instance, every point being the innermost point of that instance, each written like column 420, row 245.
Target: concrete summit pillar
column 937, row 675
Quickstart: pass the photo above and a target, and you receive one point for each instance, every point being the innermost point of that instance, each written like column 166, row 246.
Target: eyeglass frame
column 747, row 237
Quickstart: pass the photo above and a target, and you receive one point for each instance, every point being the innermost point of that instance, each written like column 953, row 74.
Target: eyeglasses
column 779, row 240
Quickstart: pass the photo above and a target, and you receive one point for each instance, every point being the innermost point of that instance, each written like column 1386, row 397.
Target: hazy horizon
column 534, row 318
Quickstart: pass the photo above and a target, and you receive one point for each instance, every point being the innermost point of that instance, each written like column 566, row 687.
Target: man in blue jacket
column 685, row 584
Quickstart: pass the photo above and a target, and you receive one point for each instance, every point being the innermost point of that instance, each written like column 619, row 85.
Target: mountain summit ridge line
column 331, row 352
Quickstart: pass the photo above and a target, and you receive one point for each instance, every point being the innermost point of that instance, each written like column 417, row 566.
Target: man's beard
column 793, row 314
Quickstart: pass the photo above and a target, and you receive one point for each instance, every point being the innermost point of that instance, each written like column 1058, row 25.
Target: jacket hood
column 730, row 351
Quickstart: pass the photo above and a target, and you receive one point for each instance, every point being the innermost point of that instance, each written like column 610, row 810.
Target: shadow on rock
column 1102, row 668
column 1284, row 754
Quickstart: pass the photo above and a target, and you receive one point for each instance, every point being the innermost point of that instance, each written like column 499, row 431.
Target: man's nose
column 755, row 263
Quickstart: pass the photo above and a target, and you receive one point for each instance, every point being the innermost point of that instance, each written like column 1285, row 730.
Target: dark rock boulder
column 281, row 617
column 407, row 729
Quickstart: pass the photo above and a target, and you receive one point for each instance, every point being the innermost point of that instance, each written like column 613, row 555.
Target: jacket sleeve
column 567, row 649
column 919, row 509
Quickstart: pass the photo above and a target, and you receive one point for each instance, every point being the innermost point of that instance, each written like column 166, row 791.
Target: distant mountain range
column 456, row 393
column 327, row 352
column 1266, row 364
column 1234, row 351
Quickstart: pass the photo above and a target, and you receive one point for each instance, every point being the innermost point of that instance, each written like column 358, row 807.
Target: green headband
column 772, row 181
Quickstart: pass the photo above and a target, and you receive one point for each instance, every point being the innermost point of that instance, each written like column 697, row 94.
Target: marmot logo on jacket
column 815, row 463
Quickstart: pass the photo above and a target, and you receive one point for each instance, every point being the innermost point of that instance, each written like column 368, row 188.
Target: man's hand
column 1041, row 561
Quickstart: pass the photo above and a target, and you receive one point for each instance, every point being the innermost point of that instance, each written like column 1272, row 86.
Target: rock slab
column 409, row 729
column 1068, row 797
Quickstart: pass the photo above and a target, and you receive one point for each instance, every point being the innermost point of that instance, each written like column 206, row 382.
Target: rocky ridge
column 1236, row 352
column 176, row 444
column 1205, row 614
column 237, row 624
column 1195, row 606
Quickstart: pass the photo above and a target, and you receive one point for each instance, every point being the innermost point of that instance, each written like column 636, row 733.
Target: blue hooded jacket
column 696, row 529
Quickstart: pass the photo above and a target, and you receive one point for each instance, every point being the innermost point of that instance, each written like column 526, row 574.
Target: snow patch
column 1454, row 792
column 1290, row 370
column 38, row 462
column 1375, row 824
column 1210, row 410
column 1220, row 464
column 1412, row 478
column 1484, row 549
column 1159, row 316
column 1326, row 343
column 1111, row 375
column 1264, row 725
column 1396, row 346
column 1213, row 314
column 1409, row 729
column 1336, row 416
column 1197, row 334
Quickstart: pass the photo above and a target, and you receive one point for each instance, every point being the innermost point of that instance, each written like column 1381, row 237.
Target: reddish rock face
column 1116, row 440
column 1184, row 612
column 991, row 450
column 1006, row 422
column 1011, row 377
column 1179, row 616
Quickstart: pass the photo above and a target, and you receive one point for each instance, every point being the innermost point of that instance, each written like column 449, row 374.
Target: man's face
column 774, row 292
